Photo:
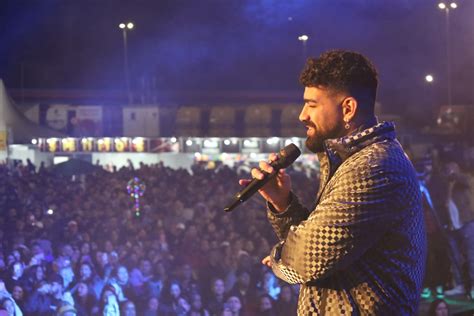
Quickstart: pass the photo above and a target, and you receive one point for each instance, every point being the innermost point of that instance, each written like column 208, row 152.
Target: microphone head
column 288, row 155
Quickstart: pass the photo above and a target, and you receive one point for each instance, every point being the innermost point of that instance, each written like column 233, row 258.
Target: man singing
column 361, row 250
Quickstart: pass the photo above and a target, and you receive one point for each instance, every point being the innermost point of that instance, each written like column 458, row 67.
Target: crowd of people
column 76, row 246
column 447, row 186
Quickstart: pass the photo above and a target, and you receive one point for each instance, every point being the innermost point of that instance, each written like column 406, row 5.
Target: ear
column 349, row 109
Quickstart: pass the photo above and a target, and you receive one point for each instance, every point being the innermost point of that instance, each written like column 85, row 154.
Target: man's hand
column 277, row 190
column 267, row 261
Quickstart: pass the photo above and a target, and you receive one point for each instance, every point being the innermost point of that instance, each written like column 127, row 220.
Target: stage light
column 453, row 5
column 429, row 78
column 189, row 142
column 122, row 25
column 211, row 143
column 130, row 25
column 137, row 140
column 303, row 38
column 173, row 139
column 227, row 142
column 442, row 5
column 273, row 141
column 50, row 211
column 34, row 141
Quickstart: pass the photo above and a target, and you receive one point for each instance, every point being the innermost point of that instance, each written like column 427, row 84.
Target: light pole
column 447, row 7
column 303, row 38
column 125, row 28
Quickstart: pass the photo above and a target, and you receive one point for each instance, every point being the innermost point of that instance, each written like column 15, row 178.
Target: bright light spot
column 173, row 139
column 439, row 121
column 130, row 25
column 227, row 142
column 50, row 212
column 288, row 141
column 303, row 38
column 273, row 141
column 253, row 155
column 442, row 5
column 197, row 155
column 189, row 142
column 234, row 141
column 247, row 142
column 453, row 5
column 101, row 141
column 34, row 141
column 137, row 140
column 122, row 25
column 211, row 143
column 429, row 78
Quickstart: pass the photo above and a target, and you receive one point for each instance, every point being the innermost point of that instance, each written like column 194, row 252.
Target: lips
column 310, row 130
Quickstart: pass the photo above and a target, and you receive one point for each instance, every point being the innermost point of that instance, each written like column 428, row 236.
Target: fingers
column 273, row 157
column 267, row 261
column 257, row 174
column 244, row 182
column 265, row 166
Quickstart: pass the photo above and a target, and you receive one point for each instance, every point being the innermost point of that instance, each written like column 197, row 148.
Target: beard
column 315, row 142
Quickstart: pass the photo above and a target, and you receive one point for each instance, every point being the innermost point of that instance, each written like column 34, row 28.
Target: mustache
column 309, row 124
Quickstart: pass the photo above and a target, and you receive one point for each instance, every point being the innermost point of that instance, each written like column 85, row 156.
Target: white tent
column 15, row 128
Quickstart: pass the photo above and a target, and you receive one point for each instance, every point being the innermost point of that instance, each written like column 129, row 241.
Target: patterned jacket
column 362, row 249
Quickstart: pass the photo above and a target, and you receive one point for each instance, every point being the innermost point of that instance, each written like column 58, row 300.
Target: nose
column 303, row 114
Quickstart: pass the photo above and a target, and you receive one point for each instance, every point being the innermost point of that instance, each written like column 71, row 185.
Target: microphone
column 287, row 156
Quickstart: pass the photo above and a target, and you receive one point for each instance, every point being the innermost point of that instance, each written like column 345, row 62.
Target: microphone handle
column 249, row 190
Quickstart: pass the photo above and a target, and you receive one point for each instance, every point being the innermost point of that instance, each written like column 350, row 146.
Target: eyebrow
column 310, row 100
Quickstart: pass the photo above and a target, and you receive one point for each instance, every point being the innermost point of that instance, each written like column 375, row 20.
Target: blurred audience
column 74, row 246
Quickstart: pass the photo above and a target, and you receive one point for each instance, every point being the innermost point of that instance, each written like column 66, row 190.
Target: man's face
column 85, row 271
column 146, row 267
column 122, row 274
column 322, row 115
column 234, row 304
column 219, row 287
column 82, row 289
column 17, row 293
column 153, row 304
column 265, row 304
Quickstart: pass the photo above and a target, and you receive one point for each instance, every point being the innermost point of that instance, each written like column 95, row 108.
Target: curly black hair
column 343, row 71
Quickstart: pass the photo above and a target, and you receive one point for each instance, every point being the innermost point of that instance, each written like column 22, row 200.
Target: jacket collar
column 338, row 150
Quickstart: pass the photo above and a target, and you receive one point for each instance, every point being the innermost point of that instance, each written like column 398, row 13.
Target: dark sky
column 236, row 44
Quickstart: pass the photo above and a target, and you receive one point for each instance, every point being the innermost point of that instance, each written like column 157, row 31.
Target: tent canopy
column 19, row 128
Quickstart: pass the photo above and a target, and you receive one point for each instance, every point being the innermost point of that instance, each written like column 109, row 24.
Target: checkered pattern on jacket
column 361, row 250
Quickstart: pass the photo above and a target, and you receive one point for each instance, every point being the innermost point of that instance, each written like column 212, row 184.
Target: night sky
column 235, row 44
